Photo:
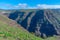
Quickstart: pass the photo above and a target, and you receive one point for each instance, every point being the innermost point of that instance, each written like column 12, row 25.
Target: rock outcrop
column 44, row 23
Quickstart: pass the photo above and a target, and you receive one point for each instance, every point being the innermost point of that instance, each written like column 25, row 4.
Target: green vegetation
column 13, row 32
column 8, row 32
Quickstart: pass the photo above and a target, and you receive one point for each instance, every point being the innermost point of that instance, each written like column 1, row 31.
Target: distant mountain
column 43, row 23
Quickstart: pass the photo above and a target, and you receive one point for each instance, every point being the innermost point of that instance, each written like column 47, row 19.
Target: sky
column 29, row 4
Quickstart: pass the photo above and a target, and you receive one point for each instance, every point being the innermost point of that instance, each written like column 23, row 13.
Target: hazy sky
column 18, row 4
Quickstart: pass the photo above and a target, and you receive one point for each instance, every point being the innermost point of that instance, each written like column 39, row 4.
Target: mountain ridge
column 30, row 20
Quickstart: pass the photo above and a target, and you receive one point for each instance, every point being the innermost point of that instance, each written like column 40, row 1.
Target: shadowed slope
column 36, row 21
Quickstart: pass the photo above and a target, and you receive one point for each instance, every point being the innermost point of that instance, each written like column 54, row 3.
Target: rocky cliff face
column 43, row 23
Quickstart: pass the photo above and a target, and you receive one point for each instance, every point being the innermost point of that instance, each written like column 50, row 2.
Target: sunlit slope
column 9, row 30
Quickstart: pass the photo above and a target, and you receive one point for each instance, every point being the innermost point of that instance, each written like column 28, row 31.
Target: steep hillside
column 44, row 23
column 10, row 30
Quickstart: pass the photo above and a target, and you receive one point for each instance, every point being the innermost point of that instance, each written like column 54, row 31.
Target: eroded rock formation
column 43, row 23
